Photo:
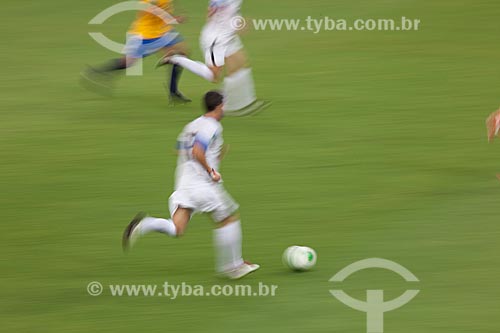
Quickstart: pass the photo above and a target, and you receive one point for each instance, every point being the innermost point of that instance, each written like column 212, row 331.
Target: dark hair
column 212, row 100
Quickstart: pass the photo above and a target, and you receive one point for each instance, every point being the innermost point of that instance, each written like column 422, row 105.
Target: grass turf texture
column 375, row 147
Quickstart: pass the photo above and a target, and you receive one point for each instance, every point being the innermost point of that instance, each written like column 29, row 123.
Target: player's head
column 214, row 103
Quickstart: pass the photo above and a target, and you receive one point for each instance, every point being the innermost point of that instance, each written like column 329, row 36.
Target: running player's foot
column 96, row 81
column 250, row 110
column 178, row 97
column 132, row 232
column 245, row 269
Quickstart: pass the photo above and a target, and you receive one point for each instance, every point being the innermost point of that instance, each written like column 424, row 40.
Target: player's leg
column 173, row 227
column 116, row 64
column 101, row 79
column 211, row 70
column 239, row 86
column 228, row 235
column 176, row 46
column 171, row 42
column 227, row 241
column 134, row 50
column 209, row 73
column 102, row 75
column 236, row 62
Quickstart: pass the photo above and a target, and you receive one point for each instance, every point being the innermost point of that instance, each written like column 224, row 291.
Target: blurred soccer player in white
column 223, row 48
column 198, row 189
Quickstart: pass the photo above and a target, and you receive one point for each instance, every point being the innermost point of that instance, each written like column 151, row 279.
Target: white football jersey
column 207, row 132
column 220, row 25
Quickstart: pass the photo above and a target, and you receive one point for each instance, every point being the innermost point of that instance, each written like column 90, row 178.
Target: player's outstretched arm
column 199, row 156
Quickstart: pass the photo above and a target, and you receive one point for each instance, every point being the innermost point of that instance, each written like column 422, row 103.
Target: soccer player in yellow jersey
column 151, row 32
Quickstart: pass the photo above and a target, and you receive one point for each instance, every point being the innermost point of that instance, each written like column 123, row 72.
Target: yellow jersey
column 149, row 25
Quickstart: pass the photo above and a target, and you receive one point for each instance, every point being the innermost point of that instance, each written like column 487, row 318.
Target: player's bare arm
column 199, row 155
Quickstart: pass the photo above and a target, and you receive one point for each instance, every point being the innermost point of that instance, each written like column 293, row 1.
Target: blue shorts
column 137, row 47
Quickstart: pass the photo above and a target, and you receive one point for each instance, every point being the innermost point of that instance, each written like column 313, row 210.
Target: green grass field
column 375, row 147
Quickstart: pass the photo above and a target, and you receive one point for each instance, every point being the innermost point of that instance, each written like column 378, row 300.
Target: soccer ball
column 299, row 258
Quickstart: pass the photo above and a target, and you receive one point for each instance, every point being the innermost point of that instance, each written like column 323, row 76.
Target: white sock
column 150, row 224
column 195, row 67
column 228, row 246
column 239, row 90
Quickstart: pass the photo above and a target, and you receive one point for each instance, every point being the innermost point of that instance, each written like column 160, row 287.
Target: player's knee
column 236, row 62
column 127, row 62
column 181, row 219
column 231, row 219
column 216, row 72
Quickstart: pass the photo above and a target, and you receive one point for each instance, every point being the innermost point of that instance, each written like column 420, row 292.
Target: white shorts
column 217, row 50
column 210, row 198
